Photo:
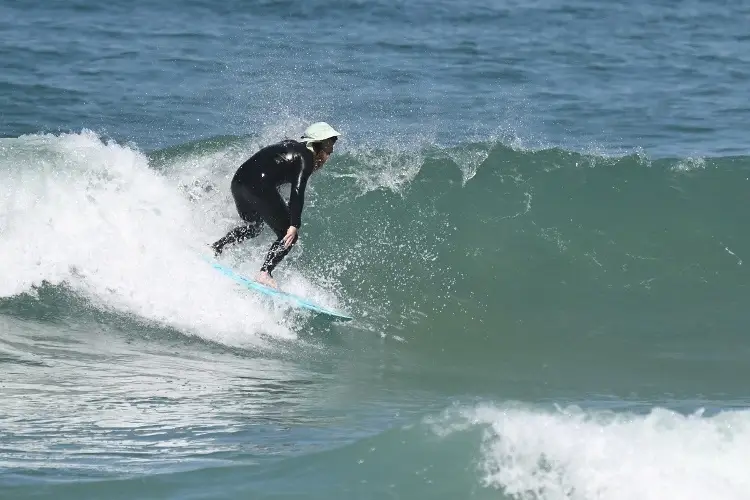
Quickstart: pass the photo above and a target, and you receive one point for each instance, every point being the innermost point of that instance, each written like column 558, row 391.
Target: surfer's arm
column 297, row 194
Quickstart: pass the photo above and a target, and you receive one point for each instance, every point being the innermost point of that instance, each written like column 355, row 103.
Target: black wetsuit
column 256, row 196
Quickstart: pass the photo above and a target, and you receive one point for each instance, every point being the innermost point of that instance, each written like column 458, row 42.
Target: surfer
column 255, row 191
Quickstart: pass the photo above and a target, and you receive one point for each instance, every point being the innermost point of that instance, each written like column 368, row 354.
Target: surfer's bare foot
column 264, row 278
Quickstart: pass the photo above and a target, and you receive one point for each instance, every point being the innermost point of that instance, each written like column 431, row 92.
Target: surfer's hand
column 290, row 238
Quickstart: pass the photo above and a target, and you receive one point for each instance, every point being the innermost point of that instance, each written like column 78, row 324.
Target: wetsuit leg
column 245, row 203
column 276, row 214
column 275, row 254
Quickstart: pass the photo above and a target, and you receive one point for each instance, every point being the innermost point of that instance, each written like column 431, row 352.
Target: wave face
column 457, row 236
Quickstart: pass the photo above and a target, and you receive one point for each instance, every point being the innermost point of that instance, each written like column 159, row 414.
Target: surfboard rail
column 275, row 293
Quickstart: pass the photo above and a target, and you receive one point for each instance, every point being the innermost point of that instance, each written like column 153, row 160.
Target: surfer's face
column 325, row 152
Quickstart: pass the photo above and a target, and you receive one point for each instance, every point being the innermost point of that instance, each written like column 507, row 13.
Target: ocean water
column 537, row 215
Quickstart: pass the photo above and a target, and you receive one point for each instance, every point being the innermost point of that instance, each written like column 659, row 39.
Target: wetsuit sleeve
column 297, row 194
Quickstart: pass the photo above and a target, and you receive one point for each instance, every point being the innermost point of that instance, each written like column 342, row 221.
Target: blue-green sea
column 537, row 215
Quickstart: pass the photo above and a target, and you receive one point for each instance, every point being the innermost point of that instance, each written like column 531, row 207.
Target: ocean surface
column 537, row 216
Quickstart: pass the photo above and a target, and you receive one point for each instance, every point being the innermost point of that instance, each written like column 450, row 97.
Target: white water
column 95, row 217
column 573, row 454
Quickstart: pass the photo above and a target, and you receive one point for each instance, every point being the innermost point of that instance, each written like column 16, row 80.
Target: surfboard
column 275, row 293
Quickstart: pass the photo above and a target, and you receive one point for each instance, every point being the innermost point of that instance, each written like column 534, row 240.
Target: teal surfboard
column 276, row 294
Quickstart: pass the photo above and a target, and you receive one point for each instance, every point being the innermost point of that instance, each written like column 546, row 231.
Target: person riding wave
column 255, row 191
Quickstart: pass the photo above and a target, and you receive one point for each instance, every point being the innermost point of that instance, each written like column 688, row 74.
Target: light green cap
column 319, row 131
